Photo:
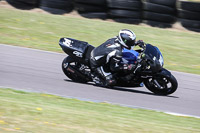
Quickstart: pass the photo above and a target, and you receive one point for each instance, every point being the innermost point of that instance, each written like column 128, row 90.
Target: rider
column 110, row 53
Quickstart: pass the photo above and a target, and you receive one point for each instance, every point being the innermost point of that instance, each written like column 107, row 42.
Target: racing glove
column 140, row 43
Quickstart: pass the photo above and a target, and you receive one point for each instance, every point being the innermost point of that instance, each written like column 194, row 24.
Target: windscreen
column 154, row 53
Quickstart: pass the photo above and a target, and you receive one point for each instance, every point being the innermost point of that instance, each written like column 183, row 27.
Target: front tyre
column 162, row 84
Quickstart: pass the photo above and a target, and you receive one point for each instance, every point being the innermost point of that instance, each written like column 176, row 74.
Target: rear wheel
column 161, row 84
column 68, row 67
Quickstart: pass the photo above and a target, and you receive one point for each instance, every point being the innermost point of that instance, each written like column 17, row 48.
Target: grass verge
column 33, row 112
column 42, row 31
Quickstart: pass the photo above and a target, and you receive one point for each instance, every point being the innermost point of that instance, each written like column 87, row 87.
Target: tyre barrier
column 24, row 4
column 169, row 3
column 157, row 24
column 92, row 2
column 99, row 15
column 189, row 15
column 127, row 20
column 91, row 8
column 188, row 5
column 125, row 4
column 81, row 8
column 56, row 6
column 159, row 13
column 125, row 11
column 152, row 7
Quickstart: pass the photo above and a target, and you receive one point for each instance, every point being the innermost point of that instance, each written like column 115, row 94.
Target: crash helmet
column 127, row 38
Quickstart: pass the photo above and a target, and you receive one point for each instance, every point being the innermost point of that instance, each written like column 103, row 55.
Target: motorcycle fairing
column 130, row 55
column 73, row 47
column 154, row 57
column 79, row 50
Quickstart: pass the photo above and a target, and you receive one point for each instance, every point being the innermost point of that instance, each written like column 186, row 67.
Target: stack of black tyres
column 91, row 8
column 189, row 14
column 159, row 13
column 24, row 4
column 56, row 6
column 125, row 11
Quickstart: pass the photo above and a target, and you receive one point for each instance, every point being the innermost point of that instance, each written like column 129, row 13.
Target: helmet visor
column 129, row 43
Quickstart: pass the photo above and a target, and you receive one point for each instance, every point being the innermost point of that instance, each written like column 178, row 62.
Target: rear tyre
column 68, row 61
column 162, row 85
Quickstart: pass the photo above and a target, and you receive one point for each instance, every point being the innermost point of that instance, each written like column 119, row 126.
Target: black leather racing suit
column 109, row 53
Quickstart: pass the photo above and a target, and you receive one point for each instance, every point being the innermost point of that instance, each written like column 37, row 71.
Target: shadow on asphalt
column 122, row 89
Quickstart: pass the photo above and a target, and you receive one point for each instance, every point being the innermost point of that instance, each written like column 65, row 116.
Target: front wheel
column 162, row 84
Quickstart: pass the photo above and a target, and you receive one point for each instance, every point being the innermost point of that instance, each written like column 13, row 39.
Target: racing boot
column 98, row 81
column 102, row 78
column 110, row 81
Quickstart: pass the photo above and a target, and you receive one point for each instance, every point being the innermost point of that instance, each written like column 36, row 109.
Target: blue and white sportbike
column 149, row 70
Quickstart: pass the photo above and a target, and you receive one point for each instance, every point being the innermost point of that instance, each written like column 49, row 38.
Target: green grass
column 37, row 113
column 42, row 31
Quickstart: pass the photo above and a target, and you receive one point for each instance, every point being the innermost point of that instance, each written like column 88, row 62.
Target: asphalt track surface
column 40, row 71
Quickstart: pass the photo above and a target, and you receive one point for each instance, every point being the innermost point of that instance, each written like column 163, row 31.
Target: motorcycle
column 149, row 70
